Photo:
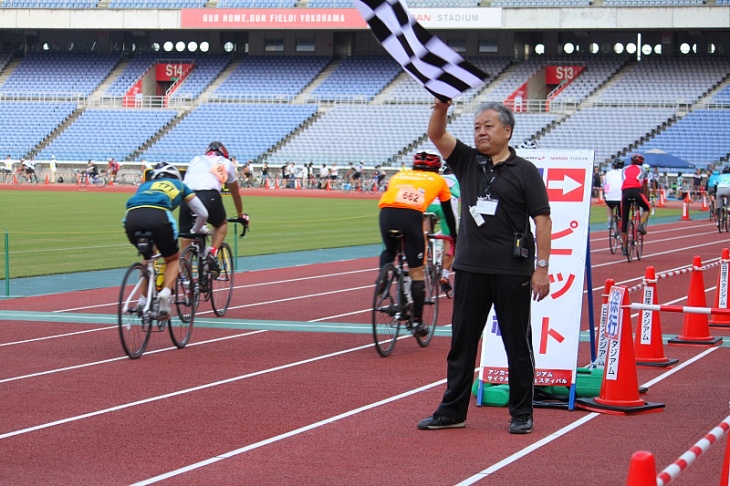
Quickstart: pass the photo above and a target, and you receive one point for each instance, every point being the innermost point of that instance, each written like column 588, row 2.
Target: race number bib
column 410, row 196
column 219, row 170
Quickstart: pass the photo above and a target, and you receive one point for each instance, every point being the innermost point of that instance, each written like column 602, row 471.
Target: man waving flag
column 424, row 56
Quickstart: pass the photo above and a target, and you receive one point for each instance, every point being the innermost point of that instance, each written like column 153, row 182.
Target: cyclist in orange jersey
column 401, row 208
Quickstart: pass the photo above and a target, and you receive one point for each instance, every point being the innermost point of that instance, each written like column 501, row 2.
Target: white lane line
column 180, row 392
column 559, row 433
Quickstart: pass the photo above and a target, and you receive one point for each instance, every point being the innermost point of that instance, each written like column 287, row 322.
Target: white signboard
column 556, row 319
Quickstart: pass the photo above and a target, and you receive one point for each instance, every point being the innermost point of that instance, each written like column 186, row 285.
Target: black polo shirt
column 518, row 187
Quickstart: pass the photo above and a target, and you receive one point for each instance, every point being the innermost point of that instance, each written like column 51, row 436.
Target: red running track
column 288, row 389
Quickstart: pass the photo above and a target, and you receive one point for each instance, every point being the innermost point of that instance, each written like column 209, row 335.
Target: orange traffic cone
column 642, row 469
column 696, row 328
column 725, row 477
column 15, row 179
column 704, row 206
column 328, row 187
column 600, row 195
column 276, row 183
column 722, row 299
column 47, row 179
column 266, row 183
column 620, row 386
column 602, row 342
column 648, row 345
column 685, row 209
column 297, row 184
column 662, row 198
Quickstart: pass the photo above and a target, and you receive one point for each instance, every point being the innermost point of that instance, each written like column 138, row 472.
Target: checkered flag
column 424, row 56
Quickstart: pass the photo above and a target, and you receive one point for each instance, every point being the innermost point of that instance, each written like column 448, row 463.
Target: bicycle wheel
column 99, row 181
column 725, row 220
column 712, row 210
column 639, row 246
column 134, row 326
column 721, row 220
column 385, row 318
column 182, row 328
column 222, row 284
column 82, row 181
column 613, row 236
column 430, row 314
column 630, row 241
column 191, row 256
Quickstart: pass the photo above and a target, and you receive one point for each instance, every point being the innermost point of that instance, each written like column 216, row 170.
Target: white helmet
column 163, row 169
column 527, row 144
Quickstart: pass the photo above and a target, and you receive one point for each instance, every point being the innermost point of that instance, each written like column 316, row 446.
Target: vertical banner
column 556, row 319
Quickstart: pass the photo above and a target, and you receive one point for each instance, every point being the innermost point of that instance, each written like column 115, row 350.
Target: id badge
column 487, row 206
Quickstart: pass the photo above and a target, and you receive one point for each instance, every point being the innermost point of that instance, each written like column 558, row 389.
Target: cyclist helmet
column 618, row 163
column 637, row 159
column 446, row 170
column 218, row 148
column 163, row 169
column 427, row 160
column 527, row 144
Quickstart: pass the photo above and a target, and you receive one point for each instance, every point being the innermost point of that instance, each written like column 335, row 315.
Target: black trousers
column 474, row 295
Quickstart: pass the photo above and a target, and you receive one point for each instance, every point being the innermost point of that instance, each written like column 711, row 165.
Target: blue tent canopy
column 660, row 158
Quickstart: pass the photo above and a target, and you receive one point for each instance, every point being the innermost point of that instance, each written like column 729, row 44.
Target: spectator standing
column 597, row 183
column 696, row 184
column 264, row 173
column 494, row 266
column 53, row 166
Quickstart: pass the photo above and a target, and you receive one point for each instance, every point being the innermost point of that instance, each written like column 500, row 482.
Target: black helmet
column 618, row 163
column 218, row 148
column 726, row 169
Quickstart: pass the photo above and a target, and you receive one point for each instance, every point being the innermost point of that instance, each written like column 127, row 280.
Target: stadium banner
column 556, row 319
column 331, row 18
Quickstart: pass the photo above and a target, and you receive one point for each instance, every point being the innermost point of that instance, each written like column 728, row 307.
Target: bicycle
column 435, row 251
column 213, row 279
column 712, row 209
column 392, row 302
column 722, row 216
column 83, row 179
column 614, row 231
column 634, row 239
column 138, row 310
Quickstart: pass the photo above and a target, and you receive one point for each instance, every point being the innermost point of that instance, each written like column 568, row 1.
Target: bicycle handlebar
column 243, row 223
column 432, row 236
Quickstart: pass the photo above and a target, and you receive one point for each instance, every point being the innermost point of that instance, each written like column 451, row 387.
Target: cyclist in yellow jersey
column 402, row 206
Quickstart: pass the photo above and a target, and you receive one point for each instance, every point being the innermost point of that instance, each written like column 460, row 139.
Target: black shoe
column 436, row 422
column 213, row 267
column 641, row 229
column 419, row 329
column 521, row 425
column 623, row 251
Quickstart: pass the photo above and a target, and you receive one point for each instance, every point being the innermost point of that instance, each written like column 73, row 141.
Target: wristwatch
column 542, row 263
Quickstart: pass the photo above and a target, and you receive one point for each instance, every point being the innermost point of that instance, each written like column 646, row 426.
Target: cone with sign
column 696, row 328
column 722, row 292
column 620, row 386
column 642, row 469
column 725, row 477
column 648, row 345
column 685, row 209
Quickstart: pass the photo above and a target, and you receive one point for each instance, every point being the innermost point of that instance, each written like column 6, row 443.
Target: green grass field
column 62, row 232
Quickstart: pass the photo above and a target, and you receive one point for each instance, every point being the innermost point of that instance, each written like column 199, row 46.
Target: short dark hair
column 506, row 118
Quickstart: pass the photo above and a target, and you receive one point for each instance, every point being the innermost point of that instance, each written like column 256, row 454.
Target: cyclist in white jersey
column 206, row 175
